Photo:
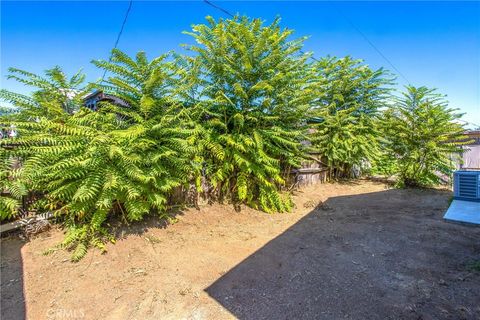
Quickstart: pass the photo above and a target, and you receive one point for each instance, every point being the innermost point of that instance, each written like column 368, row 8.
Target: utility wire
column 376, row 49
column 364, row 36
column 219, row 8
column 232, row 15
column 119, row 34
column 350, row 22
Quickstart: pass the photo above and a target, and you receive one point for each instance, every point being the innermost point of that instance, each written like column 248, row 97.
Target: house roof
column 475, row 135
column 93, row 94
column 473, row 132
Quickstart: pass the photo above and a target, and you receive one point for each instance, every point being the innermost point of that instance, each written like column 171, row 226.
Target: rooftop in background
column 91, row 101
column 475, row 135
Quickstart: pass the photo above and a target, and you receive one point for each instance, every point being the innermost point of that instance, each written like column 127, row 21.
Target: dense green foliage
column 253, row 93
column 9, row 203
column 232, row 117
column 350, row 95
column 55, row 98
column 117, row 160
column 423, row 137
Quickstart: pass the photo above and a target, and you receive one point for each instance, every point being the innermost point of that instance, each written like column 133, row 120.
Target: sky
column 433, row 44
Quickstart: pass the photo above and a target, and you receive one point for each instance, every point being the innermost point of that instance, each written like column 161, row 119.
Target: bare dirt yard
column 348, row 251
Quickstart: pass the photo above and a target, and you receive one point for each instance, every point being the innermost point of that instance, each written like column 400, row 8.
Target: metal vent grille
column 467, row 185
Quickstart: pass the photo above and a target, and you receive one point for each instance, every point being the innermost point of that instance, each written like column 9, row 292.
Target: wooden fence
column 312, row 171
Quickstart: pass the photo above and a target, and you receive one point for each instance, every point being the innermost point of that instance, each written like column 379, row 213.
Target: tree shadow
column 13, row 304
column 11, row 265
column 120, row 229
column 377, row 255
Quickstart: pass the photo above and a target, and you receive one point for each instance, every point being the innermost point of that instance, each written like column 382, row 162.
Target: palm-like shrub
column 123, row 160
column 344, row 119
column 423, row 137
column 251, row 93
column 11, row 189
column 56, row 95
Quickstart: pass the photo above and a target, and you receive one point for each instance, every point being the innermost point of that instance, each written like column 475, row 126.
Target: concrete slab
column 464, row 211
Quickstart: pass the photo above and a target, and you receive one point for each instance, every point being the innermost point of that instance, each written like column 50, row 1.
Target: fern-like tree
column 11, row 189
column 344, row 119
column 56, row 96
column 119, row 160
column 251, row 93
column 423, row 137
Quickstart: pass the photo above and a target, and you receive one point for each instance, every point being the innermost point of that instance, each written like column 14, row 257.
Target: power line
column 311, row 57
column 119, row 34
column 219, row 8
column 232, row 15
column 364, row 36
column 376, row 49
column 350, row 22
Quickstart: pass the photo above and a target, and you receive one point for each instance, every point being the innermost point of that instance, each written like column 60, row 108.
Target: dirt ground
column 348, row 251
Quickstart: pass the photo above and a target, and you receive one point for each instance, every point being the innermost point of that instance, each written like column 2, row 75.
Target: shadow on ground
column 13, row 304
column 11, row 274
column 378, row 255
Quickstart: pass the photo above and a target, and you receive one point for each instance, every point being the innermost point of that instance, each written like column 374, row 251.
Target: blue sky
column 436, row 44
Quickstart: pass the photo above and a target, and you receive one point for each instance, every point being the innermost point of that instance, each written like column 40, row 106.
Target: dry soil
column 348, row 251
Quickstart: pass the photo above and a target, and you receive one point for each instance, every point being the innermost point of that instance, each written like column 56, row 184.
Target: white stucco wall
column 471, row 157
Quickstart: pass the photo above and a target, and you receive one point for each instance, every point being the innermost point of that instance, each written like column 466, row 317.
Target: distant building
column 471, row 153
column 91, row 101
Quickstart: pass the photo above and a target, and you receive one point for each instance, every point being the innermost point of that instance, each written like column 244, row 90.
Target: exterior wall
column 471, row 157
column 93, row 99
column 310, row 173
